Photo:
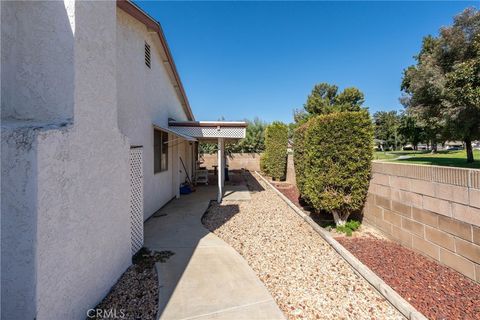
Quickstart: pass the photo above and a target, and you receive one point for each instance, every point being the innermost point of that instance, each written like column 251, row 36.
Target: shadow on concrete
column 205, row 277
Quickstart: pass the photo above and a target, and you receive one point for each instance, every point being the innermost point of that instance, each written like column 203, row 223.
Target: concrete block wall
column 433, row 210
column 236, row 161
column 291, row 176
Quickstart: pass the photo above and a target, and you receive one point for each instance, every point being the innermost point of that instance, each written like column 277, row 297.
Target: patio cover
column 212, row 130
column 178, row 134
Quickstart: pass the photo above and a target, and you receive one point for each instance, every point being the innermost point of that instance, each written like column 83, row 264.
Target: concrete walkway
column 205, row 278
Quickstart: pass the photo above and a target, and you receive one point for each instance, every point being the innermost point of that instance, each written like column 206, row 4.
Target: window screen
column 160, row 151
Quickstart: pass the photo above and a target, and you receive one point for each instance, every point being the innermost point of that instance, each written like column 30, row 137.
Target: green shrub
column 336, row 162
column 348, row 227
column 275, row 157
column 263, row 163
column 299, row 156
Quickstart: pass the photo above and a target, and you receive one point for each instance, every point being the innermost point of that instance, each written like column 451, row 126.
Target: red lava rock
column 290, row 191
column 435, row 290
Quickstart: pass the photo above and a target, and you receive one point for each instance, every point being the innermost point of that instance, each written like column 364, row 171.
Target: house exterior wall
column 37, row 61
column 65, row 186
column 18, row 217
column 433, row 210
column 145, row 96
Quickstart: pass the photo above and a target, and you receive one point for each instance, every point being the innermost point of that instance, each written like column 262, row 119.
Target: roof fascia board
column 225, row 124
column 137, row 13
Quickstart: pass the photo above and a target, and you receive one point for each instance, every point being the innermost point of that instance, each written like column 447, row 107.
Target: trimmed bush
column 335, row 157
column 299, row 155
column 263, row 163
column 276, row 143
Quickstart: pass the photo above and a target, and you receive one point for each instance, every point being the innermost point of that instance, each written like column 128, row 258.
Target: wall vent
column 148, row 61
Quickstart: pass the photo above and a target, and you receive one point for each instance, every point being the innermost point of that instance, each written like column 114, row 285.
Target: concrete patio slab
column 205, row 278
column 236, row 193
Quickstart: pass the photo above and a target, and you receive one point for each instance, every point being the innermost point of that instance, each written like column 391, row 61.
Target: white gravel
column 306, row 277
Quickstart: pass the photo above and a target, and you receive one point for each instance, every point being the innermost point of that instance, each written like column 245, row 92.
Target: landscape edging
column 385, row 290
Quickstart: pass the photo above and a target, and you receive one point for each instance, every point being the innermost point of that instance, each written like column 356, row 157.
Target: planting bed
column 135, row 295
column 288, row 190
column 435, row 290
column 307, row 278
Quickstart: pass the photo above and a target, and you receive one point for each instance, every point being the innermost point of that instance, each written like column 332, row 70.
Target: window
column 147, row 55
column 160, row 151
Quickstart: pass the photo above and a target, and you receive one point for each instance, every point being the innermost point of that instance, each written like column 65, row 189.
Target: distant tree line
column 254, row 141
column 395, row 130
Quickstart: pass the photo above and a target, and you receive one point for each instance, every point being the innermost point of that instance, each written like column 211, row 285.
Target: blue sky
column 240, row 60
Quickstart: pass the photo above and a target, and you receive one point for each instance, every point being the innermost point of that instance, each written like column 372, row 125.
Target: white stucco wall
column 145, row 96
column 65, row 189
column 85, row 222
column 37, row 61
column 18, row 221
column 70, row 112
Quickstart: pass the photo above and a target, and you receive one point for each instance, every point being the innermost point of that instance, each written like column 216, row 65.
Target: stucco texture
column 65, row 209
column 146, row 96
column 18, row 217
column 76, row 95
column 37, row 61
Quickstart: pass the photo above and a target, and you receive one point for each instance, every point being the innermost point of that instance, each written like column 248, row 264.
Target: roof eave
column 137, row 13
column 225, row 124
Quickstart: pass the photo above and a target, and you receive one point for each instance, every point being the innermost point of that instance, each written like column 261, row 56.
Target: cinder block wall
column 236, row 161
column 433, row 210
column 291, row 177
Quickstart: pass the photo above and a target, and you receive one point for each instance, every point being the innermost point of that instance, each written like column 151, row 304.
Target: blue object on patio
column 185, row 189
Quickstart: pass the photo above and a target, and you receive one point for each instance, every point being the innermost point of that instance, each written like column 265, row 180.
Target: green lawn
column 390, row 155
column 442, row 158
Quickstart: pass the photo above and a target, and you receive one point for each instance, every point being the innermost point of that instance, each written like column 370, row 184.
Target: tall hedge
column 299, row 155
column 334, row 157
column 276, row 143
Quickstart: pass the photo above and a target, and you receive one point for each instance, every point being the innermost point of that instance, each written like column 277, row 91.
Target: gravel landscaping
column 306, row 277
column 135, row 295
column 435, row 290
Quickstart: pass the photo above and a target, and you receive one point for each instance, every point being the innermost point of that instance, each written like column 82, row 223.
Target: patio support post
column 176, row 170
column 220, row 152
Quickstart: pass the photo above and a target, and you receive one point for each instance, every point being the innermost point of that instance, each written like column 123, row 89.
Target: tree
column 351, row 99
column 325, row 99
column 322, row 99
column 460, row 56
column 442, row 88
column 386, row 128
column 410, row 130
column 462, row 100
column 300, row 116
column 254, row 141
column 424, row 86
